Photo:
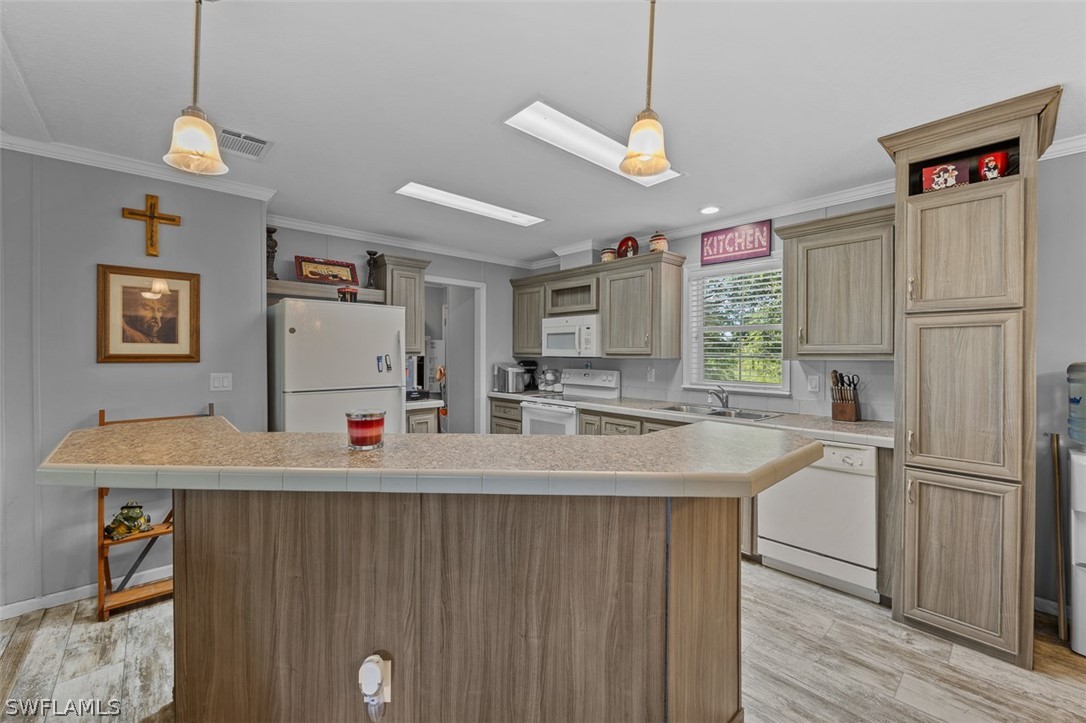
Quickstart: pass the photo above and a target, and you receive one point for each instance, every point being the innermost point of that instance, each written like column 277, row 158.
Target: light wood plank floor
column 809, row 654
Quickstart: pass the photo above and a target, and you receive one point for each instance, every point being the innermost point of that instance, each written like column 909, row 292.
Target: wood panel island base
column 507, row 578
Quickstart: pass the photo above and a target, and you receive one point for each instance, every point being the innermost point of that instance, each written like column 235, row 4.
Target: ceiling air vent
column 241, row 144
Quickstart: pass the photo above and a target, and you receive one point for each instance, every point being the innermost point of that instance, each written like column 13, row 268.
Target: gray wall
column 60, row 219
column 460, row 361
column 1061, row 336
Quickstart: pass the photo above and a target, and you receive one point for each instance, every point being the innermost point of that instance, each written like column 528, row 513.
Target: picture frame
column 148, row 315
column 325, row 271
column 945, row 175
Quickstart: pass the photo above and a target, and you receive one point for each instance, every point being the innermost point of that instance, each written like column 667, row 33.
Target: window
column 735, row 335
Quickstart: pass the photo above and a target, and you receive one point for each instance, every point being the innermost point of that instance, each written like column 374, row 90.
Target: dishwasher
column 821, row 522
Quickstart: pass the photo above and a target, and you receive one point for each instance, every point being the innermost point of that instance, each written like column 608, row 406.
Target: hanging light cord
column 196, row 57
column 648, row 79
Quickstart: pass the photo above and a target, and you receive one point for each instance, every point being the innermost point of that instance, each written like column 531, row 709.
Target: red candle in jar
column 366, row 428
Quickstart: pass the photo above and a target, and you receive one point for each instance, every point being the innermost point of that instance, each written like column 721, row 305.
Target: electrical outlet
column 812, row 383
column 221, row 382
column 651, row 376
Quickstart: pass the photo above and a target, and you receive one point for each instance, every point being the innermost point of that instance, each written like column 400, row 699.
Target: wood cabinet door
column 423, row 421
column 844, row 294
column 505, row 410
column 619, row 426
column 528, row 321
column 627, row 312
column 409, row 291
column 576, row 295
column 962, row 543
column 963, row 399
column 588, row 424
column 504, row 426
column 964, row 248
column 748, row 525
column 652, row 425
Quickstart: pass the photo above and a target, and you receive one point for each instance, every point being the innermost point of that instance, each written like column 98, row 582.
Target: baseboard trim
column 77, row 593
column 1049, row 606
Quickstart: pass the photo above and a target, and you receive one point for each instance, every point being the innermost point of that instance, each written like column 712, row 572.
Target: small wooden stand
column 108, row 598
column 846, row 411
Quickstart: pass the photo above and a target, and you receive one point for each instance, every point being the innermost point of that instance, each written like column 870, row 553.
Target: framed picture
column 991, row 166
column 945, row 175
column 325, row 271
column 148, row 315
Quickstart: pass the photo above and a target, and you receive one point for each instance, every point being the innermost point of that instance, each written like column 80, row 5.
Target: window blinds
column 735, row 326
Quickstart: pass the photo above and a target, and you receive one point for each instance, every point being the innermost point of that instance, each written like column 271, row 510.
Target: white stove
column 556, row 413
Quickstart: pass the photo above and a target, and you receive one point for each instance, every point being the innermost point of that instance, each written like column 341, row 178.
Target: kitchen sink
column 751, row 415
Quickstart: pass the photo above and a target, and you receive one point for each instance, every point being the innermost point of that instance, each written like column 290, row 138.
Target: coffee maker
column 530, row 366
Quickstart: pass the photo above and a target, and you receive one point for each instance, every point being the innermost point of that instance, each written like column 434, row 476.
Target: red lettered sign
column 748, row 241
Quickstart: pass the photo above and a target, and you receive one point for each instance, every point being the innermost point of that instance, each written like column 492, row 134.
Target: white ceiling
column 763, row 103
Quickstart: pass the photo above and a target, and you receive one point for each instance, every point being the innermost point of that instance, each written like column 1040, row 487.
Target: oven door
column 539, row 418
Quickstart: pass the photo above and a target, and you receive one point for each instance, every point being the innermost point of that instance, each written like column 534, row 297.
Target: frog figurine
column 130, row 519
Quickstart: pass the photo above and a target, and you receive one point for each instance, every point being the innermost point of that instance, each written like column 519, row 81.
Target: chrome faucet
column 721, row 395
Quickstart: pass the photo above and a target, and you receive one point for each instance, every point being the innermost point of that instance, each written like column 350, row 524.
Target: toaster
column 507, row 377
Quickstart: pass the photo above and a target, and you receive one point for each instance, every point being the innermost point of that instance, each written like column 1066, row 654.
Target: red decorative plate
column 627, row 247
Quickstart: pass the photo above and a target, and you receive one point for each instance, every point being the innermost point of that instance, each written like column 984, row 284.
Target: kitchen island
column 508, row 578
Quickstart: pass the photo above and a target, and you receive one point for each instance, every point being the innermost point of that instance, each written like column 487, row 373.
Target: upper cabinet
column 964, row 248
column 528, row 320
column 578, row 295
column 839, row 286
column 639, row 300
column 404, row 282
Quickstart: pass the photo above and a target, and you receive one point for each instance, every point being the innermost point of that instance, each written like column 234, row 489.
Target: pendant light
column 645, row 151
column 195, row 148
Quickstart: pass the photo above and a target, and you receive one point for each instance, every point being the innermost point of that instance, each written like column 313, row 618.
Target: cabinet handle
column 909, row 442
column 909, row 492
column 912, row 281
column 800, row 335
column 646, row 338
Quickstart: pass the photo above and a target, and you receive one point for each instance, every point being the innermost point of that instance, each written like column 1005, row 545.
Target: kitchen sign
column 749, row 241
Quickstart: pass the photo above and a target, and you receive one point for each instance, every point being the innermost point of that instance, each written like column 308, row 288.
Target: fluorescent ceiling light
column 547, row 124
column 463, row 203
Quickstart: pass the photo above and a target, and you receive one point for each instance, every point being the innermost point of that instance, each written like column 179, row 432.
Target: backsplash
column 876, row 389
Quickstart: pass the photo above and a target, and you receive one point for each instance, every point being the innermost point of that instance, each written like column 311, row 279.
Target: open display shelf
column 970, row 160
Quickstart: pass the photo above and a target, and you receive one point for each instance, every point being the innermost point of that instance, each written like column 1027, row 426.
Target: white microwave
column 572, row 335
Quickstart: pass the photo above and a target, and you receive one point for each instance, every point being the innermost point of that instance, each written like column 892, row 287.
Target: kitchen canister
column 658, row 242
column 1076, row 410
column 608, row 254
column 366, row 428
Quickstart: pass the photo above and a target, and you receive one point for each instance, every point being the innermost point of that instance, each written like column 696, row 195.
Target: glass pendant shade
column 645, row 151
column 195, row 147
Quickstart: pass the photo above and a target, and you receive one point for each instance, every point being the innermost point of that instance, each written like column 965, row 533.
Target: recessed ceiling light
column 541, row 121
column 463, row 203
column 710, row 210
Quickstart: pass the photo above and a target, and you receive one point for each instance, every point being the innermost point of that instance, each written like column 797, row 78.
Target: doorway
column 455, row 321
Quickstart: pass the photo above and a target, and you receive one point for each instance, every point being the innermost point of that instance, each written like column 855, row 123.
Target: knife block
column 846, row 411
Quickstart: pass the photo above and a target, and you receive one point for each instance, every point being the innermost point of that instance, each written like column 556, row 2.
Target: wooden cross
column 152, row 218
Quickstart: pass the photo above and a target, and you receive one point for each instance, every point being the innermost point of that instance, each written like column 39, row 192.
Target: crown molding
column 575, row 248
column 366, row 236
column 87, row 157
column 814, row 203
column 1065, row 147
column 544, row 263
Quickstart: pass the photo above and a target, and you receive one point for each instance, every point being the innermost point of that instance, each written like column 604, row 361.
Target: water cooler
column 1078, row 551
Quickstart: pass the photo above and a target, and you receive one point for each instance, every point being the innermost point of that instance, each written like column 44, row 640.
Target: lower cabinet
column 422, row 421
column 651, row 425
column 504, row 417
column 619, row 425
column 962, row 548
column 588, row 423
column 748, row 526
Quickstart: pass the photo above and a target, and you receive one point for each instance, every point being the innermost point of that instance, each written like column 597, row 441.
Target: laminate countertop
column 697, row 460
column 874, row 433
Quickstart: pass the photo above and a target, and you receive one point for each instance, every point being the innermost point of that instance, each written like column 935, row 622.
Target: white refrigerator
column 330, row 357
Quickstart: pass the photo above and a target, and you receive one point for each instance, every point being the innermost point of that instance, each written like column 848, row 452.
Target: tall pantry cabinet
column 965, row 373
